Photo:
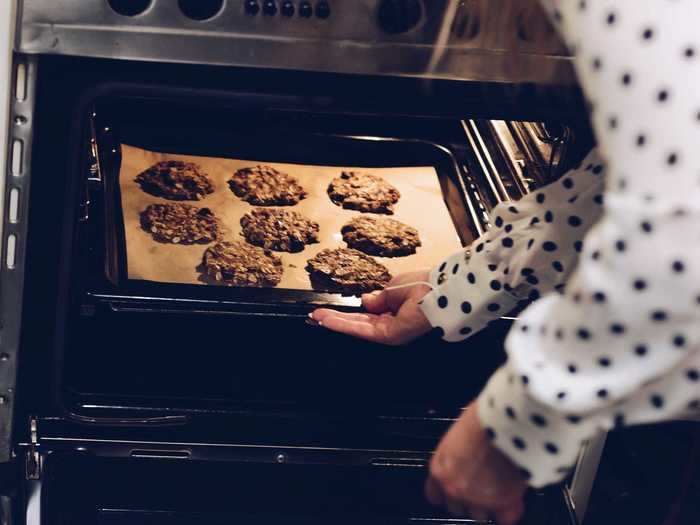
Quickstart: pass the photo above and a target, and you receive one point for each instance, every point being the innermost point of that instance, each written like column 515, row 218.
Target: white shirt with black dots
column 620, row 344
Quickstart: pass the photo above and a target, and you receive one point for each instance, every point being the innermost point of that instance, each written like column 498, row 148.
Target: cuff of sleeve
column 455, row 325
column 460, row 307
column 543, row 443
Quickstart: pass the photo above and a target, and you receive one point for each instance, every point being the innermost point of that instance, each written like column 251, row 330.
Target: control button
column 305, row 9
column 252, row 7
column 323, row 9
column 288, row 8
column 399, row 16
column 270, row 7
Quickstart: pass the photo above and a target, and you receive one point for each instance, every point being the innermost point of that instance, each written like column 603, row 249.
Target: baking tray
column 421, row 206
column 264, row 145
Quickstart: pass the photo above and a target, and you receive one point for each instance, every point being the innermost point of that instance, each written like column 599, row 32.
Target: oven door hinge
column 33, row 460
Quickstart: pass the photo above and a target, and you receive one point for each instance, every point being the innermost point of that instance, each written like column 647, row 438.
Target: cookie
column 347, row 271
column 281, row 230
column 364, row 192
column 175, row 180
column 240, row 264
column 266, row 186
column 179, row 223
column 381, row 236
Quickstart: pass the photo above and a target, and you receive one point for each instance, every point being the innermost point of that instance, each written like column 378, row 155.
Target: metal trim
column 475, row 141
column 7, row 28
column 33, row 505
column 581, row 485
column 350, row 41
column 14, row 235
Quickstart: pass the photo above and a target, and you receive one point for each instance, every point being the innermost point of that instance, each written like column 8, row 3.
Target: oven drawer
column 79, row 489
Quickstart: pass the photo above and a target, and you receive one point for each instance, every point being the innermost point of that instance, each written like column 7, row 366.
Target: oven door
column 90, row 480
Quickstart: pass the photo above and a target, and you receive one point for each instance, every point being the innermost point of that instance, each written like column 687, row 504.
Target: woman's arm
column 621, row 346
column 512, row 262
column 532, row 249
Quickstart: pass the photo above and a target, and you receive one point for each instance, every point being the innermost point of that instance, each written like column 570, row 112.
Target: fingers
column 393, row 317
column 377, row 302
column 321, row 314
column 509, row 515
column 355, row 327
column 374, row 328
column 471, row 478
column 478, row 514
column 461, row 508
column 456, row 508
column 386, row 300
column 433, row 492
column 385, row 328
column 391, row 299
column 460, row 504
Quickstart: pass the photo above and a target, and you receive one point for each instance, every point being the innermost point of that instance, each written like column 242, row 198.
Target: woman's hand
column 471, row 477
column 393, row 316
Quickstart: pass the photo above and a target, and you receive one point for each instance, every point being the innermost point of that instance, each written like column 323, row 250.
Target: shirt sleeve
column 531, row 249
column 621, row 345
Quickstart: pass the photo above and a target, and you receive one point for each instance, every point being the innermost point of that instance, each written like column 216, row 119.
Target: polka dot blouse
column 610, row 253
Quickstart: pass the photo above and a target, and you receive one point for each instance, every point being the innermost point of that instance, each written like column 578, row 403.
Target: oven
column 127, row 398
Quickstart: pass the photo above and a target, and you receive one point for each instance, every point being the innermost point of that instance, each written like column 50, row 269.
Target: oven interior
column 121, row 347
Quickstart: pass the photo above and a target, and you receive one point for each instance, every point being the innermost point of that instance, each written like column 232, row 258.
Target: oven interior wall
column 182, row 361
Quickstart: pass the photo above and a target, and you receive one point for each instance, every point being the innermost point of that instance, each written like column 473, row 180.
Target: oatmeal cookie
column 240, row 264
column 381, row 236
column 278, row 229
column 364, row 192
column 175, row 180
column 179, row 223
column 266, row 186
column 347, row 271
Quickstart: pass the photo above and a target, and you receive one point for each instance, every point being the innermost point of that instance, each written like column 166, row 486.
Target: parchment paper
column 421, row 206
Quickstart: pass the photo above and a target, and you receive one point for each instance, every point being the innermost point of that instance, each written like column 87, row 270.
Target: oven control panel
column 288, row 8
column 392, row 16
column 389, row 37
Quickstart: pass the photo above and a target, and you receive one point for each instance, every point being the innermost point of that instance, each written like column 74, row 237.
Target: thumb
column 395, row 294
column 376, row 302
column 509, row 515
column 392, row 299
